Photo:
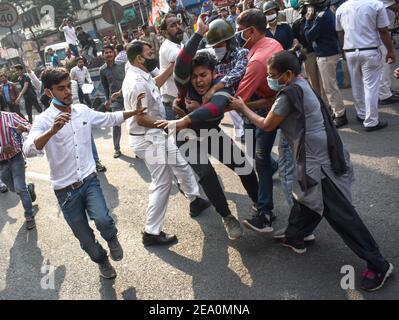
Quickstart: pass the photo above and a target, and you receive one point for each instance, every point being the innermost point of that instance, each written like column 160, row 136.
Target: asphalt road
column 204, row 264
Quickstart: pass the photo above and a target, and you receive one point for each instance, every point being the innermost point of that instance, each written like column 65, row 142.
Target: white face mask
column 272, row 17
column 220, row 53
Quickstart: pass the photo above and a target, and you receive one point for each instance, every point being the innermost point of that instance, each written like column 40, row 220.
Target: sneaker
column 380, row 125
column 100, row 167
column 115, row 249
column 373, row 281
column 298, row 247
column 198, row 206
column 31, row 190
column 233, row 227
column 30, row 223
column 107, row 271
column 280, row 234
column 117, row 154
column 3, row 188
column 256, row 212
column 260, row 223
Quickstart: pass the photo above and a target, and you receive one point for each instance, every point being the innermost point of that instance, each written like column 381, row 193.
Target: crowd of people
column 270, row 64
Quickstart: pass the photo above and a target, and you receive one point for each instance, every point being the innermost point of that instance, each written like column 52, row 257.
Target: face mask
column 54, row 100
column 150, row 64
column 274, row 84
column 271, row 17
column 294, row 4
column 240, row 38
column 220, row 53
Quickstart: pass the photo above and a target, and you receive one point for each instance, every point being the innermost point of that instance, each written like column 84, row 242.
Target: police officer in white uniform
column 361, row 39
column 160, row 153
column 385, row 94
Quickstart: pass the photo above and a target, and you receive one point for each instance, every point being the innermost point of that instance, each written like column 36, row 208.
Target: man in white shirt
column 81, row 74
column 160, row 153
column 70, row 35
column 362, row 25
column 168, row 53
column 64, row 132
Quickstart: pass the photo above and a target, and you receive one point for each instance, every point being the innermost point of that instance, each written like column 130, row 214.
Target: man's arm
column 88, row 77
column 341, row 37
column 61, row 27
column 164, row 75
column 387, row 41
column 105, row 85
column 23, row 91
column 253, row 78
column 313, row 28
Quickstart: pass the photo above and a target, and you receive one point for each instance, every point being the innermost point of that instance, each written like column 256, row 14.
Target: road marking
column 38, row 176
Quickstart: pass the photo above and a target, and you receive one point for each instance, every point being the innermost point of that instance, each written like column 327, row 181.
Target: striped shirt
column 9, row 135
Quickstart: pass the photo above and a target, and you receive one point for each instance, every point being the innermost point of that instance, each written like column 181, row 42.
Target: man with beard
column 168, row 53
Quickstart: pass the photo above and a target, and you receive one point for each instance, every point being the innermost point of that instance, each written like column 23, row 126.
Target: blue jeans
column 74, row 50
column 264, row 165
column 94, row 150
column 286, row 167
column 13, row 175
column 88, row 199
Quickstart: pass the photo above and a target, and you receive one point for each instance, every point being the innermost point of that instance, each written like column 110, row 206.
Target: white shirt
column 168, row 53
column 360, row 20
column 81, row 75
column 137, row 81
column 70, row 35
column 69, row 152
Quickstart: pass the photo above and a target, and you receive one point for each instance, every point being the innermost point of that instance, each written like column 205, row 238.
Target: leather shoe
column 340, row 121
column 161, row 239
column 392, row 99
column 380, row 125
column 198, row 206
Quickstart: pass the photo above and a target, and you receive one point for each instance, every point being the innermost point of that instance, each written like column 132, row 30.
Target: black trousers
column 84, row 98
column 208, row 178
column 343, row 218
column 31, row 101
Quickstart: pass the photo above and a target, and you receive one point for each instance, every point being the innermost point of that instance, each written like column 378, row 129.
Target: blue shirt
column 283, row 34
column 321, row 33
column 231, row 19
column 54, row 60
column 6, row 92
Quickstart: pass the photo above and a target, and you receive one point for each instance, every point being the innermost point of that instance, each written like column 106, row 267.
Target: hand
column 191, row 105
column 115, row 96
column 237, row 104
column 310, row 13
column 202, row 27
column 139, row 106
column 21, row 129
column 396, row 73
column 173, row 125
column 7, row 149
column 390, row 57
column 107, row 105
column 60, row 122
column 17, row 101
column 28, row 69
column 179, row 111
column 208, row 96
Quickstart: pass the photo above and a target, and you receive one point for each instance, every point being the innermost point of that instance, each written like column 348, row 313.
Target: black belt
column 136, row 134
column 361, row 49
column 78, row 184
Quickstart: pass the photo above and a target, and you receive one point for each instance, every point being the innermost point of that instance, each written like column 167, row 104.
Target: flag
column 159, row 8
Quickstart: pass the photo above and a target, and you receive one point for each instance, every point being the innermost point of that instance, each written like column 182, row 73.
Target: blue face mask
column 54, row 100
column 274, row 84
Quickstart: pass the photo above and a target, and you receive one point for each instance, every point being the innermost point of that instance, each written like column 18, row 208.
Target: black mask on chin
column 150, row 64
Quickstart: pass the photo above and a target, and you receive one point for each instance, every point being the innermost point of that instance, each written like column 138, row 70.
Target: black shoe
column 31, row 190
column 256, row 212
column 373, row 281
column 3, row 188
column 280, row 234
column 380, row 125
column 360, row 120
column 392, row 99
column 100, row 167
column 117, row 154
column 260, row 223
column 161, row 239
column 115, row 249
column 107, row 271
column 340, row 121
column 198, row 206
column 30, row 223
column 298, row 247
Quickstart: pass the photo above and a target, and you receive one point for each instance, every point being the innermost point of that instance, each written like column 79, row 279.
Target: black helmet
column 219, row 31
column 270, row 5
column 319, row 3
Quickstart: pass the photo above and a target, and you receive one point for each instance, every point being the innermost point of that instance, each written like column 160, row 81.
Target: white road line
column 38, row 176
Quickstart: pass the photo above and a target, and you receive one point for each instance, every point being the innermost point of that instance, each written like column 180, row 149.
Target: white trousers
column 385, row 84
column 328, row 73
column 238, row 124
column 365, row 70
column 164, row 161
